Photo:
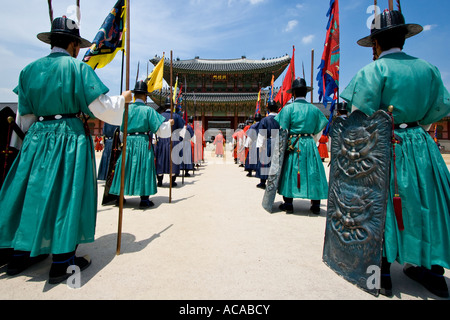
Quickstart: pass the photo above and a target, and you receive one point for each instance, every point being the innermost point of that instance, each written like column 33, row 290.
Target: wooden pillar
column 235, row 117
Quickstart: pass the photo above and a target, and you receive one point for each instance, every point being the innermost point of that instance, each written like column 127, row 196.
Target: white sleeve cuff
column 165, row 130
column 108, row 109
column 260, row 141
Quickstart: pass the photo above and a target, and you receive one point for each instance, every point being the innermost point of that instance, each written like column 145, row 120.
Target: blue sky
column 220, row 29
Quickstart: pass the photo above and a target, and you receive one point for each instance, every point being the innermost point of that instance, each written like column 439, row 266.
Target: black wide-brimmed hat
column 167, row 103
column 342, row 106
column 298, row 84
column 140, row 87
column 271, row 104
column 388, row 21
column 66, row 27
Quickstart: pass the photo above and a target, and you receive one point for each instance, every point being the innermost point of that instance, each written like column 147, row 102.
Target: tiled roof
column 242, row 65
column 218, row 98
column 210, row 97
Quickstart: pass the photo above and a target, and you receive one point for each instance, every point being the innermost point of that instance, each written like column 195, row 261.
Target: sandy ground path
column 213, row 242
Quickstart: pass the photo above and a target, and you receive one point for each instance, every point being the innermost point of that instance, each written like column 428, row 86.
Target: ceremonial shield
column 357, row 197
column 115, row 153
column 273, row 179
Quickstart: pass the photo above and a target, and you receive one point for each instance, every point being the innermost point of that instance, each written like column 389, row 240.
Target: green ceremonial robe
column 415, row 89
column 303, row 117
column 140, row 172
column 49, row 198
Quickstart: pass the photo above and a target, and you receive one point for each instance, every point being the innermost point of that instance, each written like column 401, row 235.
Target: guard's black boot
column 21, row 260
column 315, row 206
column 262, row 184
column 433, row 280
column 385, row 280
column 145, row 202
column 160, row 179
column 174, row 184
column 5, row 256
column 287, row 205
column 61, row 262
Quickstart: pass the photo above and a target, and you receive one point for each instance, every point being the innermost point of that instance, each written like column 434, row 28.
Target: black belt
column 137, row 133
column 302, row 135
column 58, row 116
column 406, row 125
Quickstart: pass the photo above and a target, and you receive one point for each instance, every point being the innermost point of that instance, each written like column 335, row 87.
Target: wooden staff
column 125, row 129
column 171, row 116
column 391, row 5
column 312, row 75
column 50, row 10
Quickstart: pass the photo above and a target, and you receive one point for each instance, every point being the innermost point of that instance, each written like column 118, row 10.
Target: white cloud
column 291, row 25
column 428, row 27
column 308, row 39
column 252, row 2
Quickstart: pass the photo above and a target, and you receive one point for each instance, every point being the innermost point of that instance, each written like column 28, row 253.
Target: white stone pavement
column 213, row 242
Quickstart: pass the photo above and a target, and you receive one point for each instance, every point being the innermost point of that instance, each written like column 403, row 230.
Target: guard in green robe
column 140, row 172
column 49, row 198
column 303, row 175
column 415, row 89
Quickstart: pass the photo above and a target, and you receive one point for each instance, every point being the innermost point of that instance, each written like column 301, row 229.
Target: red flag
column 282, row 96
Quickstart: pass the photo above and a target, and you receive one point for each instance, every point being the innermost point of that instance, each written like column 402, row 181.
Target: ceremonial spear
column 171, row 117
column 125, row 129
column 312, row 75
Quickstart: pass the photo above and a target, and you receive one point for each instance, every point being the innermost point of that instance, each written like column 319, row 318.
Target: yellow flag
column 155, row 78
column 110, row 38
column 175, row 92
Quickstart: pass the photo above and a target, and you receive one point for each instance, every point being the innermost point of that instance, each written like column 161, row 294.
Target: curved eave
column 225, row 66
column 209, row 98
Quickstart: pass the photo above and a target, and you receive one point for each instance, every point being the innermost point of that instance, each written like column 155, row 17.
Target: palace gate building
column 223, row 92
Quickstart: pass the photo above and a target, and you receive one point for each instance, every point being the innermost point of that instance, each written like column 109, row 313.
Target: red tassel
column 398, row 212
column 298, row 180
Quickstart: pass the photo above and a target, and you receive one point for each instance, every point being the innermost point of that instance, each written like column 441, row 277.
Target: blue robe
column 188, row 163
column 265, row 153
column 162, row 150
column 108, row 131
column 252, row 159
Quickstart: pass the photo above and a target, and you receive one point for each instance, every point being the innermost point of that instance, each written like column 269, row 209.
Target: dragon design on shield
column 358, row 193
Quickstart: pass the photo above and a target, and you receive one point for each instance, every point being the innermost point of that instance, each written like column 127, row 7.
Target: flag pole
column 121, row 72
column 312, row 75
column 125, row 130
column 171, row 117
column 185, row 117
